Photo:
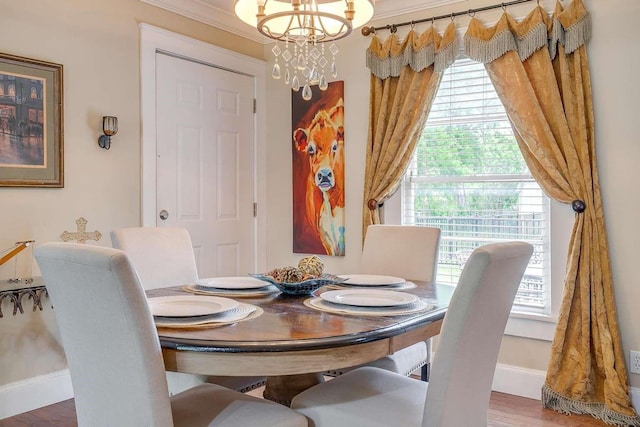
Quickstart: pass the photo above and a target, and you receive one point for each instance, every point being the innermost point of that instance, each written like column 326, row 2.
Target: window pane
column 469, row 179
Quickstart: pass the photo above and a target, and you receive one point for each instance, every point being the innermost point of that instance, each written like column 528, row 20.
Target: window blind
column 468, row 178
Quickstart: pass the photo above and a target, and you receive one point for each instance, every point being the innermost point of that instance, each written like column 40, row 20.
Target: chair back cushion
column 162, row 256
column 108, row 334
column 406, row 251
column 469, row 342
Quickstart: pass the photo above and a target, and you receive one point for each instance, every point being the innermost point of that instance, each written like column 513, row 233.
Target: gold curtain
column 404, row 79
column 540, row 69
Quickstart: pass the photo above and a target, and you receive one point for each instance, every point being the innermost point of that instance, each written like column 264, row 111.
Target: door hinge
column 255, row 209
column 255, row 105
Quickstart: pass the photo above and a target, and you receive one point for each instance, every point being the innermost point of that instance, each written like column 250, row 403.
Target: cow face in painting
column 323, row 141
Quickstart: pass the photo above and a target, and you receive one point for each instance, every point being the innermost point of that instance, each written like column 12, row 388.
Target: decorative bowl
column 305, row 287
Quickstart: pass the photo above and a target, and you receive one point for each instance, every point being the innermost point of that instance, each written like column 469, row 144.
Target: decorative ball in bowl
column 302, row 287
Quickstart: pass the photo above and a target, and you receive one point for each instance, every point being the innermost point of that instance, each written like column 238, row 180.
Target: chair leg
column 424, row 372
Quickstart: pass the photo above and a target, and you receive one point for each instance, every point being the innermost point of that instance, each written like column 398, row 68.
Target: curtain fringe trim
column 391, row 66
column 533, row 41
column 571, row 38
column 553, row 400
column 489, row 50
column 418, row 60
column 556, row 36
column 445, row 57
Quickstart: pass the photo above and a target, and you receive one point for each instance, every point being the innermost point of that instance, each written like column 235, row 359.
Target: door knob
column 164, row 215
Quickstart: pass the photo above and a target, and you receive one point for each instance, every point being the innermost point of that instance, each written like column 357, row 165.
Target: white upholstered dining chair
column 410, row 252
column 114, row 354
column 163, row 257
column 459, row 388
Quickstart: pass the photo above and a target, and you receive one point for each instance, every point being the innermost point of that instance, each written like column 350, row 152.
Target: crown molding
column 219, row 13
column 209, row 14
column 391, row 8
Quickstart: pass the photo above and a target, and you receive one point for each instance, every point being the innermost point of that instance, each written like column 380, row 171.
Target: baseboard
column 519, row 381
column 528, row 383
column 33, row 393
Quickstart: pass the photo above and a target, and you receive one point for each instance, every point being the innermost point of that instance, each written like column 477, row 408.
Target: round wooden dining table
column 292, row 344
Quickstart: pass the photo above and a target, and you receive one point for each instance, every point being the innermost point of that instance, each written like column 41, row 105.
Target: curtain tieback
column 578, row 206
column 372, row 204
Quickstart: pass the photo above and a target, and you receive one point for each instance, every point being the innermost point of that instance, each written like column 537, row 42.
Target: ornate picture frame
column 31, row 123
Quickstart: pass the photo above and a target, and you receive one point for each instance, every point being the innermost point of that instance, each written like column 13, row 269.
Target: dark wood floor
column 505, row 411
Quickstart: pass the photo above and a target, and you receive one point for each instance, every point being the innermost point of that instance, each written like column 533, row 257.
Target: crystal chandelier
column 301, row 29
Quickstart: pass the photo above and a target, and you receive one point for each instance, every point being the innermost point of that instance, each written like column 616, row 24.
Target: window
column 468, row 178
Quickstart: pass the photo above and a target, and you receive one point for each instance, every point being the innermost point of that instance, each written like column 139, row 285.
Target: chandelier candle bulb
column 305, row 23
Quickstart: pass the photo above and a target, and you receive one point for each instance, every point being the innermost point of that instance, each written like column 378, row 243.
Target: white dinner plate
column 189, row 305
column 322, row 305
column 368, row 297
column 371, row 280
column 231, row 283
column 243, row 310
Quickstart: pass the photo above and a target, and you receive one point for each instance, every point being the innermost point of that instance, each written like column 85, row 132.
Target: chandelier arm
column 325, row 31
column 263, row 26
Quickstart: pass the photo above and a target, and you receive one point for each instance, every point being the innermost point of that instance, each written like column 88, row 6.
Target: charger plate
column 347, row 285
column 241, row 313
column 231, row 293
column 322, row 305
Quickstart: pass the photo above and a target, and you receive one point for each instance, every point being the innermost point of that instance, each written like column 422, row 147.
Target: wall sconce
column 109, row 128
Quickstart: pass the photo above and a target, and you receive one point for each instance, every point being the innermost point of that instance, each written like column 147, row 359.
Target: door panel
column 189, row 173
column 205, row 164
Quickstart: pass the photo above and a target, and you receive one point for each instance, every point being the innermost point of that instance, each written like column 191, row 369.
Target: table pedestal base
column 282, row 389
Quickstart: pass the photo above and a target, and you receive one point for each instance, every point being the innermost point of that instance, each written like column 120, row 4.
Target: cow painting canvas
column 318, row 171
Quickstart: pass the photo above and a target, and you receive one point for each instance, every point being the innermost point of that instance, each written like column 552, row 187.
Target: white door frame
column 152, row 40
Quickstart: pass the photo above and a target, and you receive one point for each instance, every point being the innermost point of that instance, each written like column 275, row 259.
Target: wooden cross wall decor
column 81, row 236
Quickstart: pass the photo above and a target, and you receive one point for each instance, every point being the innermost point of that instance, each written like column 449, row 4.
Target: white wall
column 616, row 91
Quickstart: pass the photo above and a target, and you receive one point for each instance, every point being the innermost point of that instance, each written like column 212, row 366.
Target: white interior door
column 205, row 162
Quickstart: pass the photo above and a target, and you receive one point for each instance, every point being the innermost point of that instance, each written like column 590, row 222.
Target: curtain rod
column 394, row 27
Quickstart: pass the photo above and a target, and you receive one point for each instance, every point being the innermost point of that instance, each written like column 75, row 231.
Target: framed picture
column 31, row 145
column 318, row 171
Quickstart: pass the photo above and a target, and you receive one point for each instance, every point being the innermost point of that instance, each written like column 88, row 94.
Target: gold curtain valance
column 489, row 44
column 387, row 59
column 571, row 29
column 534, row 32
